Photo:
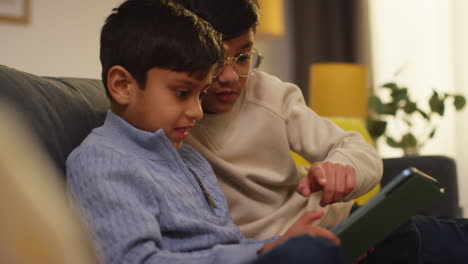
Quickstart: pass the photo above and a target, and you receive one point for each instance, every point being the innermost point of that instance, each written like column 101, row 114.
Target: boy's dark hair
column 230, row 17
column 143, row 34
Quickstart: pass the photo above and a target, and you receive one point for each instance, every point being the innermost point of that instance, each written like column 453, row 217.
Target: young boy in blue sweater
column 146, row 197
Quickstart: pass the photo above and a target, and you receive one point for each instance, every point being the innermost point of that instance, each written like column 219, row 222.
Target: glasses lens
column 244, row 64
column 247, row 63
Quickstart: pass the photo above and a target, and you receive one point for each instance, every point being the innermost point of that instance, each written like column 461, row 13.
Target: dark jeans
column 424, row 239
column 303, row 249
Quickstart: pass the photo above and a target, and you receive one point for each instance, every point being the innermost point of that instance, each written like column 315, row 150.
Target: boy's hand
column 335, row 180
column 304, row 226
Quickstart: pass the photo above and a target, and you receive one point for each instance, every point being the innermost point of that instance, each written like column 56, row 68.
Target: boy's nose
column 229, row 74
column 195, row 111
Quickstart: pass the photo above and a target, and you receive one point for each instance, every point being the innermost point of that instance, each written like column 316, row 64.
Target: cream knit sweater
column 249, row 150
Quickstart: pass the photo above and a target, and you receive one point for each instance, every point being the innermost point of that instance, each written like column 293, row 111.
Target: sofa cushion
column 60, row 111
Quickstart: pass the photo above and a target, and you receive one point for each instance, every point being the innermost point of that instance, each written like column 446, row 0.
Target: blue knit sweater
column 143, row 204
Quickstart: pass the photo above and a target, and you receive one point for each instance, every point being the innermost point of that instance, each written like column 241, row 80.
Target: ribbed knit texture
column 143, row 205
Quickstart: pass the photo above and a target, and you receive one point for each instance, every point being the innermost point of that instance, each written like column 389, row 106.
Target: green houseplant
column 399, row 107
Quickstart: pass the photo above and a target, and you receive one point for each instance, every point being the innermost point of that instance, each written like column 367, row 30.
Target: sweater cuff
column 339, row 157
column 245, row 253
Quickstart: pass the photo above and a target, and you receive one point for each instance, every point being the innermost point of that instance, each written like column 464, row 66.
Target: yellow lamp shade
column 339, row 89
column 271, row 22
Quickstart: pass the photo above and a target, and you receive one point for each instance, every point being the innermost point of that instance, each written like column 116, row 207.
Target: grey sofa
column 62, row 111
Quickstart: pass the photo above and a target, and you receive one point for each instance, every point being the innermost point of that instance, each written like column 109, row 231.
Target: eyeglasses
column 244, row 64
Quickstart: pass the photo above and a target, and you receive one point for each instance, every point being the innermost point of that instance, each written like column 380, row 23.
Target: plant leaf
column 389, row 108
column 393, row 143
column 409, row 140
column 409, row 107
column 390, row 85
column 424, row 114
column 376, row 128
column 399, row 95
column 437, row 105
column 431, row 135
column 375, row 104
column 459, row 102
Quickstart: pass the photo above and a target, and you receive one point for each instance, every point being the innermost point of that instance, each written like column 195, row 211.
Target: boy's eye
column 243, row 57
column 182, row 93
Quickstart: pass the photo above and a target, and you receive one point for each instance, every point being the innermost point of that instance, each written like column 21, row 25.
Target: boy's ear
column 119, row 84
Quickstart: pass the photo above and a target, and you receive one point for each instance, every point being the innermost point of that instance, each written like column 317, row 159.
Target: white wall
column 461, row 85
column 62, row 38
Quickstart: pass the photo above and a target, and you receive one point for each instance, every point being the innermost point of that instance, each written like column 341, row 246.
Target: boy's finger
column 310, row 216
column 340, row 186
column 303, row 188
column 350, row 181
column 329, row 235
column 328, row 191
column 318, row 173
column 309, row 183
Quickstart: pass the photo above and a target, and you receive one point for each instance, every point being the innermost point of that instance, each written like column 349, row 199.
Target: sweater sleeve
column 319, row 139
column 121, row 209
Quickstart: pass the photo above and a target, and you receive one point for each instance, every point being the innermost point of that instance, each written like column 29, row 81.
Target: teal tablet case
column 400, row 199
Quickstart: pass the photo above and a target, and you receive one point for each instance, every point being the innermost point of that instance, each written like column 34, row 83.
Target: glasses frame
column 221, row 69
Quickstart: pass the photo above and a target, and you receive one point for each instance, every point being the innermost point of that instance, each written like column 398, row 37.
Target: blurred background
column 423, row 40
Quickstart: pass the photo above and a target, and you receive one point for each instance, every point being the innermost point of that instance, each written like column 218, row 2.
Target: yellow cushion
column 299, row 160
column 355, row 124
column 346, row 124
column 366, row 197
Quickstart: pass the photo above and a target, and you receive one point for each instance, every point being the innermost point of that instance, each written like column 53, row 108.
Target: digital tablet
column 400, row 199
